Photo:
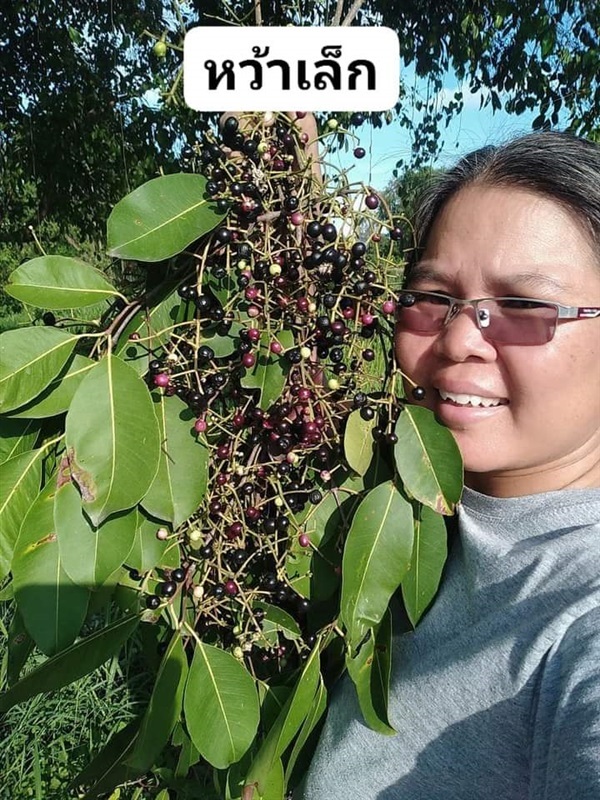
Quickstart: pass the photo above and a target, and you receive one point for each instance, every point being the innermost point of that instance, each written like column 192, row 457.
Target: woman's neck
column 579, row 474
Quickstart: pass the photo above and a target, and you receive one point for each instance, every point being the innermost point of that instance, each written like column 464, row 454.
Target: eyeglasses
column 506, row 320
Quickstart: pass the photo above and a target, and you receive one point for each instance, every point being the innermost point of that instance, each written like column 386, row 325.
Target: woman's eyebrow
column 534, row 281
column 425, row 272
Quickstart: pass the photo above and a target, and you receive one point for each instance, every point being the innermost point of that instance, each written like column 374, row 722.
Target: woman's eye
column 437, row 298
column 519, row 303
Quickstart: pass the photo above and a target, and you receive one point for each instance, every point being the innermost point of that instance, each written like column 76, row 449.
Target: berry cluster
column 282, row 295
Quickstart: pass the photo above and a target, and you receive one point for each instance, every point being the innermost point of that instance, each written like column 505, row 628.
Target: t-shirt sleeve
column 565, row 755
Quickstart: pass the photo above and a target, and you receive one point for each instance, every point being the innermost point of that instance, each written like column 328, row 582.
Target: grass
column 46, row 741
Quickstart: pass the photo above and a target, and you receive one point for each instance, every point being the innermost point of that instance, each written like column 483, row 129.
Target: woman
column 497, row 692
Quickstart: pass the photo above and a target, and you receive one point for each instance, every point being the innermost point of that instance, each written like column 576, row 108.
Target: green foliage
column 58, row 282
column 188, row 457
column 160, row 218
column 47, row 739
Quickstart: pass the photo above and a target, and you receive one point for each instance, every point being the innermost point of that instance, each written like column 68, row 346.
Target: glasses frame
column 456, row 304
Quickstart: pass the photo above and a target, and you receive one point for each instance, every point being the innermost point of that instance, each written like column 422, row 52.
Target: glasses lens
column 519, row 321
column 422, row 311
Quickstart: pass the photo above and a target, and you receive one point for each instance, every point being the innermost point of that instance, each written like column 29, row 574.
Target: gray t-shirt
column 496, row 694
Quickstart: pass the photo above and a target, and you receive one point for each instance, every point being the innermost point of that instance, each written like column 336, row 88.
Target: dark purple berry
column 168, row 588
column 313, row 229
column 178, row 575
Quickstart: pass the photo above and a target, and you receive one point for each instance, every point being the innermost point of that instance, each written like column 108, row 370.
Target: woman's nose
column 461, row 338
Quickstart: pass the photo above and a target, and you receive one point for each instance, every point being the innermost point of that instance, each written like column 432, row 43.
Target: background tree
column 77, row 130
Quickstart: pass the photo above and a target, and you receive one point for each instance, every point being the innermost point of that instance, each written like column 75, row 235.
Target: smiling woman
column 496, row 693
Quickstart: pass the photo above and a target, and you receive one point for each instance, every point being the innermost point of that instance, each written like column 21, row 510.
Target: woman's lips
column 453, row 413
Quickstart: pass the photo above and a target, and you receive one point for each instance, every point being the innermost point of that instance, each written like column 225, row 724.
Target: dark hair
column 556, row 165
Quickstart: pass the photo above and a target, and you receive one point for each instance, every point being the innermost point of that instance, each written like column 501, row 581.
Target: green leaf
column 161, row 218
column 270, row 371
column 53, row 607
column 153, row 326
column 108, row 768
column 317, row 710
column 164, row 708
column 67, row 666
column 222, row 346
column 276, row 620
column 20, row 645
column 428, row 459
column 90, row 555
column 358, row 441
column 287, row 724
column 75, row 36
column 421, row 582
column 188, row 756
column 56, row 397
column 112, row 439
column 221, row 706
column 182, row 477
column 370, row 670
column 148, row 551
column 58, row 282
column 29, row 359
column 16, row 437
column 376, row 558
column 20, row 481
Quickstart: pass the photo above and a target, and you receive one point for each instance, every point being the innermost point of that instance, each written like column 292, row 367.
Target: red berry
column 253, row 311
column 367, row 319
column 200, row 426
column 248, row 360
column 297, row 218
column 276, row 347
column 253, row 334
column 300, row 114
column 251, row 293
column 359, row 152
column 162, row 379
column 303, row 540
column 234, row 530
column 231, row 588
column 388, row 307
column 134, row 336
column 302, row 303
column 372, row 201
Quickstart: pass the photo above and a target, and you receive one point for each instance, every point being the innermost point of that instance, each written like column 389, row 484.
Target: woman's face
column 545, row 434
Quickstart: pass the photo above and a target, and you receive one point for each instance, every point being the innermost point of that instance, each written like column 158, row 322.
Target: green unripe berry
column 160, row 49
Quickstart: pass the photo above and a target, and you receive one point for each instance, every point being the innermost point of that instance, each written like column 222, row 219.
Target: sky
column 473, row 128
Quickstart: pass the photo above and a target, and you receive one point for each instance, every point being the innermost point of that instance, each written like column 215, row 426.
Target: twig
column 257, row 13
column 338, row 12
column 354, row 9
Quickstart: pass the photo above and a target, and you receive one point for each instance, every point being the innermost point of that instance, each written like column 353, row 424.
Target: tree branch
column 257, row 13
column 338, row 12
column 354, row 9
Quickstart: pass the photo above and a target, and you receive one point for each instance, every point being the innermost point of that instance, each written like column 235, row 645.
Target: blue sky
column 473, row 128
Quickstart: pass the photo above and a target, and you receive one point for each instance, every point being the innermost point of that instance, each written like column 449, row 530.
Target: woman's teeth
column 470, row 399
